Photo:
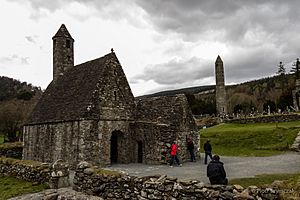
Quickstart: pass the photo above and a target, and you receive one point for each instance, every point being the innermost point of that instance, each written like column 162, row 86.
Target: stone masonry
column 221, row 105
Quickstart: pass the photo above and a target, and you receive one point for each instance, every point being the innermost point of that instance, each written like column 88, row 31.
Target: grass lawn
column 262, row 180
column 263, row 139
column 11, row 187
column 289, row 187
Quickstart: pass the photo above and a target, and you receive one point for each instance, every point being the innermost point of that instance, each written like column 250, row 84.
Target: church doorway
column 140, row 152
column 114, row 147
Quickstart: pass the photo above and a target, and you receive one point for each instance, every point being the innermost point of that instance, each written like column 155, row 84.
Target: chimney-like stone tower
column 63, row 52
column 221, row 104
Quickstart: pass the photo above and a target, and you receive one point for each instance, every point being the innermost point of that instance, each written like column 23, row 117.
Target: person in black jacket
column 207, row 150
column 216, row 172
column 191, row 149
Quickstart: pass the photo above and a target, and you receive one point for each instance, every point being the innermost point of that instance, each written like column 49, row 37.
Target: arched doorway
column 140, row 152
column 115, row 146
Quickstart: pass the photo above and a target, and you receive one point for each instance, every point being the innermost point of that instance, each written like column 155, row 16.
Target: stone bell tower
column 63, row 52
column 221, row 104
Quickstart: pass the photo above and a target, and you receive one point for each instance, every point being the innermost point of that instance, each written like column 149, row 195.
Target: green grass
column 11, row 187
column 262, row 180
column 289, row 187
column 262, row 139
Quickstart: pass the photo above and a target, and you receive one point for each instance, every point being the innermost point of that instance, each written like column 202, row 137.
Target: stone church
column 88, row 112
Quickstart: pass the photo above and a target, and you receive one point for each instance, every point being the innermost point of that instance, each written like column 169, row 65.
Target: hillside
column 247, row 97
column 17, row 99
column 14, row 89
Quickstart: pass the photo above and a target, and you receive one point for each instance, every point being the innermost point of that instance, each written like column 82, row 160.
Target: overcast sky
column 161, row 44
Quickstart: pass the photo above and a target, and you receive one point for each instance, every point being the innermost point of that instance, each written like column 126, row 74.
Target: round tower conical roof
column 63, row 32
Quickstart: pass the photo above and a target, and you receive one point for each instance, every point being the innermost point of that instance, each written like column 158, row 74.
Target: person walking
column 191, row 149
column 207, row 150
column 216, row 172
column 174, row 156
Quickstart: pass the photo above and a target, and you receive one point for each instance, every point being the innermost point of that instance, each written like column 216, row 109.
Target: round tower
column 63, row 52
column 221, row 105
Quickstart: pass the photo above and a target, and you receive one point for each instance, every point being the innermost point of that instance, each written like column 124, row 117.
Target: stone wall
column 115, row 185
column 75, row 141
column 12, row 150
column 266, row 119
column 32, row 171
column 162, row 120
column 56, row 175
column 52, row 141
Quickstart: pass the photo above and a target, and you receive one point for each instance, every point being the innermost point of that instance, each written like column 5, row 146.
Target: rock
column 88, row 171
column 199, row 185
column 239, row 188
column 177, row 186
column 83, row 165
column 276, row 184
column 227, row 195
column 63, row 193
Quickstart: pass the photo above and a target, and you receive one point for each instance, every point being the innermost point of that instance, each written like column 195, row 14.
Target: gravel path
column 235, row 167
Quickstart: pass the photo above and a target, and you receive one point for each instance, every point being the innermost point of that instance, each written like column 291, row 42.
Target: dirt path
column 236, row 167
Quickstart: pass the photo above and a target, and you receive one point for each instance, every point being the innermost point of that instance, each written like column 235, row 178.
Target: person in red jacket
column 174, row 155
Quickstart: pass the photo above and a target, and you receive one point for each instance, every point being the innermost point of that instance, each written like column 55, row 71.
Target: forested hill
column 14, row 89
column 256, row 95
column 17, row 99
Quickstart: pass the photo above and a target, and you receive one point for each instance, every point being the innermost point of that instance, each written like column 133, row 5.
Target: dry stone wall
column 266, row 119
column 56, row 175
column 29, row 171
column 116, row 185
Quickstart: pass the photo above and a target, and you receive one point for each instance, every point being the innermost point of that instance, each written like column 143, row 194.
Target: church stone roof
column 69, row 97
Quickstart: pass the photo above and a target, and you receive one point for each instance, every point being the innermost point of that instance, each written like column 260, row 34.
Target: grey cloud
column 176, row 71
column 259, row 33
column 31, row 39
column 14, row 59
column 110, row 9
column 225, row 21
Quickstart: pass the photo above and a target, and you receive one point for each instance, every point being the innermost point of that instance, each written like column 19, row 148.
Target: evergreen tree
column 281, row 69
column 295, row 68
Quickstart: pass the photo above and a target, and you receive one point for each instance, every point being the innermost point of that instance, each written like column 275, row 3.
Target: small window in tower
column 54, row 43
column 115, row 95
column 68, row 43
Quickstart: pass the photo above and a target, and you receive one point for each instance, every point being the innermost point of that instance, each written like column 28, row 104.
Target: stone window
column 54, row 43
column 115, row 95
column 68, row 43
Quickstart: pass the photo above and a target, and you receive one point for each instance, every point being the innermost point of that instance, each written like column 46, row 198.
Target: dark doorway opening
column 140, row 152
column 114, row 148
